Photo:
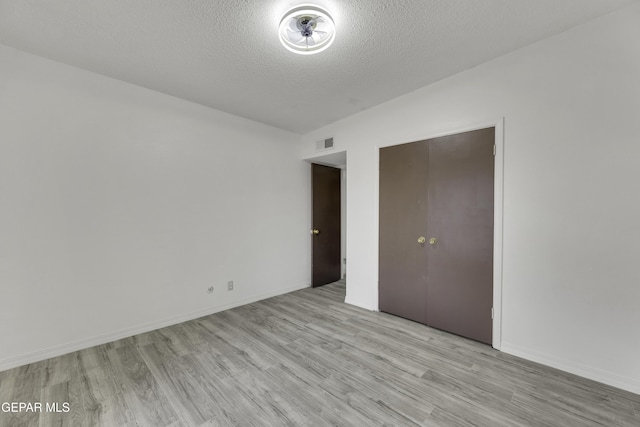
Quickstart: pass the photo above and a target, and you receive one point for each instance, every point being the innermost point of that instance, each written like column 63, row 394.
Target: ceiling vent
column 324, row 144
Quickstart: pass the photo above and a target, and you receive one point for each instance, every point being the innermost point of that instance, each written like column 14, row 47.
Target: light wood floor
column 307, row 359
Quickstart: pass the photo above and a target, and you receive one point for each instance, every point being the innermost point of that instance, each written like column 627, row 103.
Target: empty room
column 294, row 213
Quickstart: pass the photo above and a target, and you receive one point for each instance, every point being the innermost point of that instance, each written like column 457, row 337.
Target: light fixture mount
column 307, row 29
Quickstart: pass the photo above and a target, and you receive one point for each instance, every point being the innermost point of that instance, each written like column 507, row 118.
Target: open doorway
column 328, row 222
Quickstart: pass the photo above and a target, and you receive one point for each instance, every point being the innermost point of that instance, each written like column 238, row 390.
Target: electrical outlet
column 230, row 285
column 210, row 290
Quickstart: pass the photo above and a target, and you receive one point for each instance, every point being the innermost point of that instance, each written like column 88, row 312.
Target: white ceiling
column 226, row 54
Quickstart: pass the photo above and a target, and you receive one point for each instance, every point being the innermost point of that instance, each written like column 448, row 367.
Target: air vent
column 324, row 144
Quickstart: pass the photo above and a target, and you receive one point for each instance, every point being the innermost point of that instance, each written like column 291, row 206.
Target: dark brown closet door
column 403, row 220
column 460, row 217
column 440, row 189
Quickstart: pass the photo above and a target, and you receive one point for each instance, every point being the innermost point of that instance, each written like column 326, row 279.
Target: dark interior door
column 402, row 273
column 460, row 217
column 440, row 190
column 325, row 234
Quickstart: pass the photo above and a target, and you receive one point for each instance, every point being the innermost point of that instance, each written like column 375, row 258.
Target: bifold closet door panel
column 402, row 221
column 460, row 217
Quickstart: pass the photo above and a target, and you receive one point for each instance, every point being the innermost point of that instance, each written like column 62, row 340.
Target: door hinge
column 492, row 312
column 494, row 149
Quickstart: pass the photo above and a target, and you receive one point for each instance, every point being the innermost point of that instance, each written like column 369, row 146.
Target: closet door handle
column 421, row 240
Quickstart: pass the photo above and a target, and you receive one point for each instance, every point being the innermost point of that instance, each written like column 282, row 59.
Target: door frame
column 498, row 207
column 339, row 160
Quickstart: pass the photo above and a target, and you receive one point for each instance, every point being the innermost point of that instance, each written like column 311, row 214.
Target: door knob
column 314, row 231
column 433, row 241
column 421, row 240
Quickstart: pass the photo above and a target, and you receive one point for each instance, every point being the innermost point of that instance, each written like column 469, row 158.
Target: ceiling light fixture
column 307, row 29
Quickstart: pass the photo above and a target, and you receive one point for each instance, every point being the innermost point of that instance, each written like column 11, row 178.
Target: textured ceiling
column 226, row 54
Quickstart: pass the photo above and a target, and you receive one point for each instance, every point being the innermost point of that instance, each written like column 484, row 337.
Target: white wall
column 119, row 206
column 571, row 105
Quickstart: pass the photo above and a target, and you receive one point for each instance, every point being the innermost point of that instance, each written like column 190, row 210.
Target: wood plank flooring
column 306, row 359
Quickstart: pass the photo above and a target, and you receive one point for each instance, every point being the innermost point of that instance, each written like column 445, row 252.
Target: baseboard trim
column 349, row 301
column 59, row 350
column 585, row 371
